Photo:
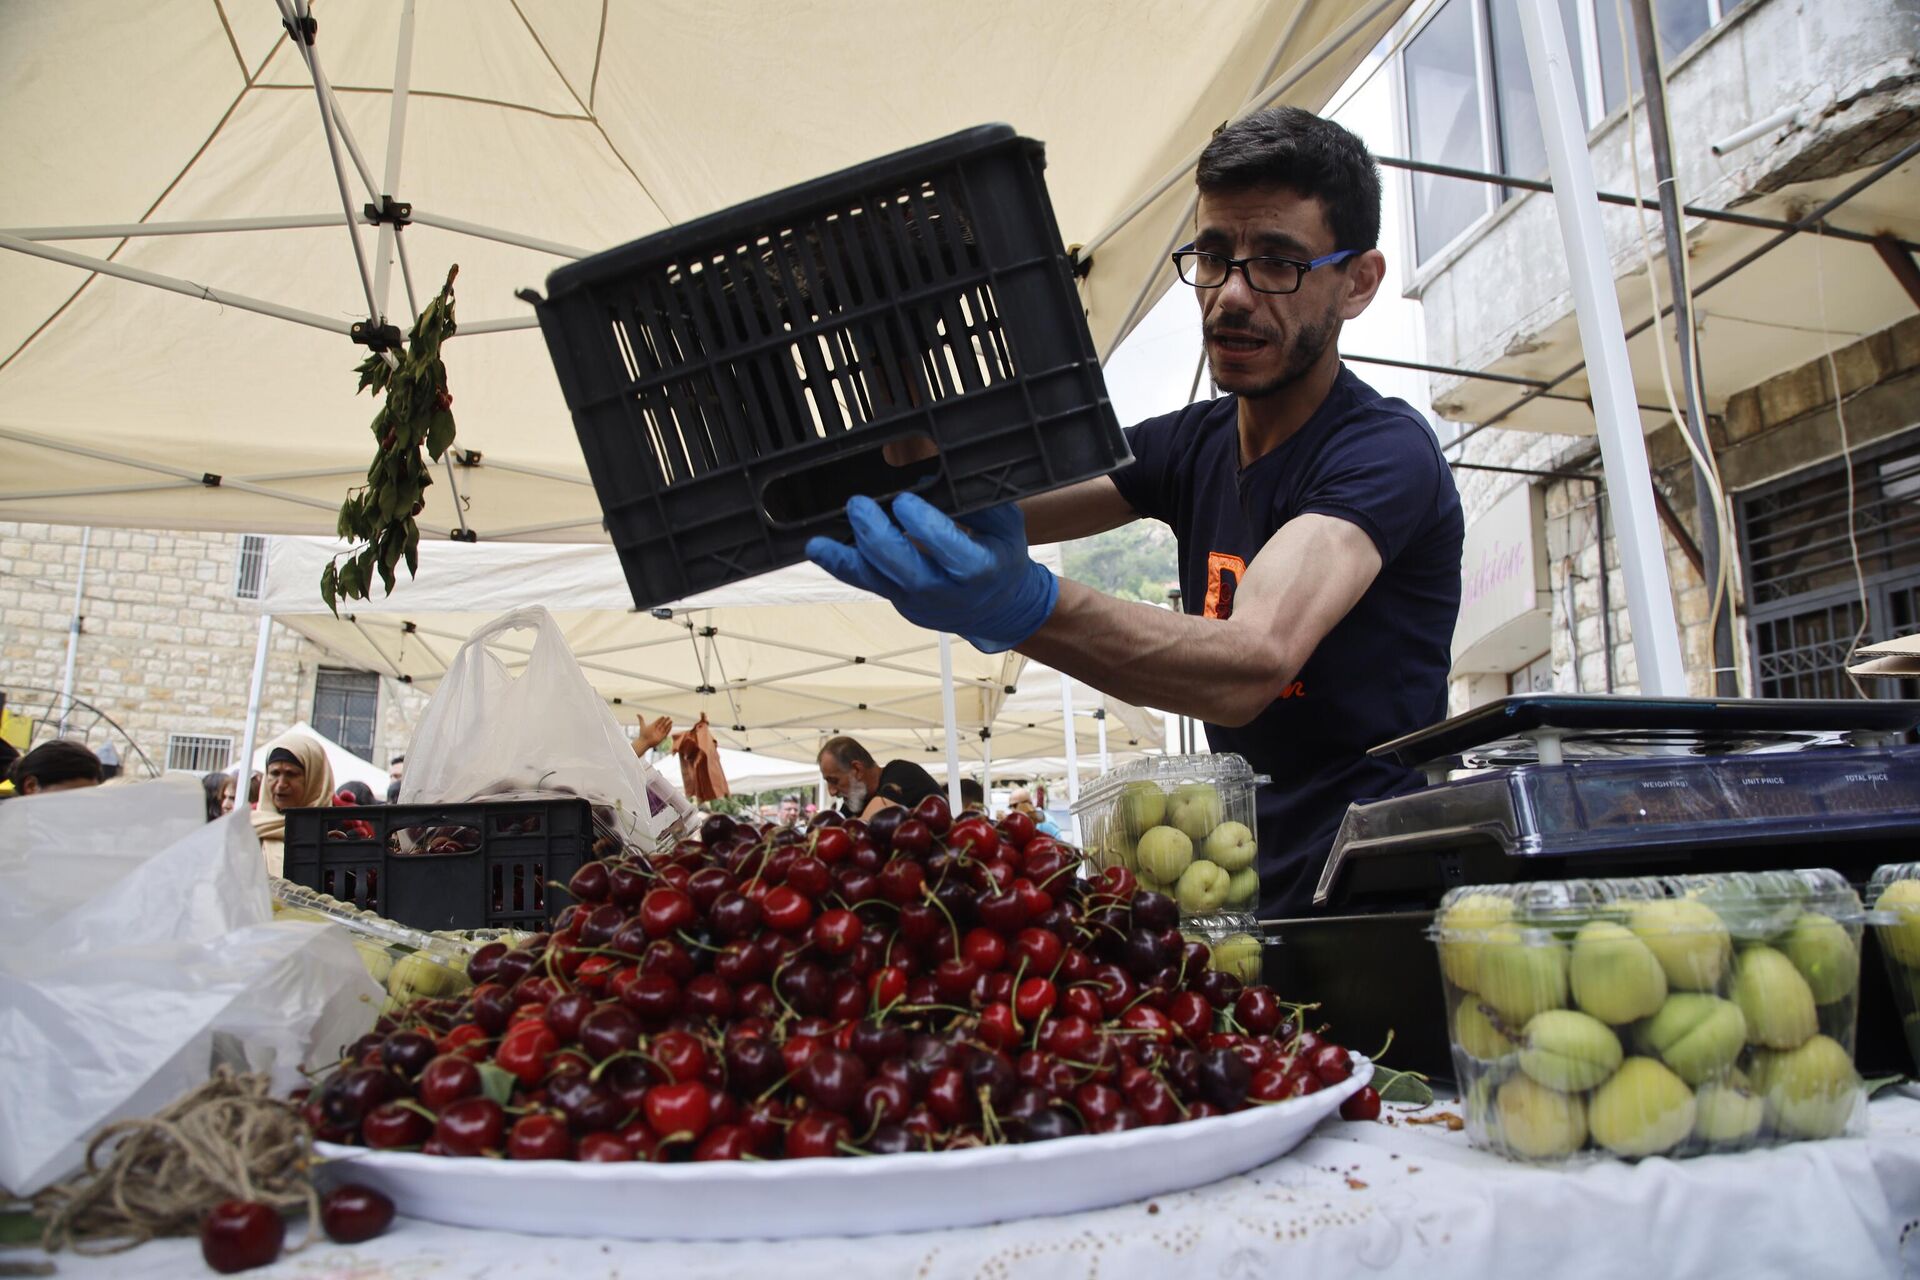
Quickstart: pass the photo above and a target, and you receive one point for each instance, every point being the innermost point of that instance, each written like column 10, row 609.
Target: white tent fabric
column 182, row 141
column 778, row 663
column 347, row 767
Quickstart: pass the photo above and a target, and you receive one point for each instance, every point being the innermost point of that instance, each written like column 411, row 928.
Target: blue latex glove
column 972, row 578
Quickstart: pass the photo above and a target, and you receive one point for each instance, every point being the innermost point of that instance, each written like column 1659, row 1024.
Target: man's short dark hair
column 396, row 760
column 1303, row 152
column 55, row 762
column 847, row 751
column 970, row 792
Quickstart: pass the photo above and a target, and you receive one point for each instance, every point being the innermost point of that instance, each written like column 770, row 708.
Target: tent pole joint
column 375, row 336
column 302, row 28
column 389, row 211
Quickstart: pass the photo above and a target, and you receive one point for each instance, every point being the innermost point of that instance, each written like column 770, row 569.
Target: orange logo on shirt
column 1223, row 579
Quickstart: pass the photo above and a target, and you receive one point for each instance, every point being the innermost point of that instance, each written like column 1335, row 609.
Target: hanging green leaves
column 379, row 517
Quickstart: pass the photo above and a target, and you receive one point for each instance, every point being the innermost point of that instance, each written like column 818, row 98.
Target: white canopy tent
column 778, row 663
column 198, row 148
column 243, row 151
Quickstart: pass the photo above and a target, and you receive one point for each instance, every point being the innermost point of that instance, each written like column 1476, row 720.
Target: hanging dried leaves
column 379, row 517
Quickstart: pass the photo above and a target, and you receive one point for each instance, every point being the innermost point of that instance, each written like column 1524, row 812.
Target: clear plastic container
column 408, row 963
column 1234, row 948
column 1894, row 898
column 1657, row 1016
column 1185, row 826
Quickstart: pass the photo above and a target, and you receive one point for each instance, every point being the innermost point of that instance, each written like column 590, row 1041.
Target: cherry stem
column 941, row 907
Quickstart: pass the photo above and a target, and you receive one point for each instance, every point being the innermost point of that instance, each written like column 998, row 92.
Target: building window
column 1535, row 677
column 250, row 566
column 1444, row 124
column 1470, row 104
column 346, row 705
column 1801, row 576
column 198, row 752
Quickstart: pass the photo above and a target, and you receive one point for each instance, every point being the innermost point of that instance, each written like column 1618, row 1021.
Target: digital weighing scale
column 1559, row 787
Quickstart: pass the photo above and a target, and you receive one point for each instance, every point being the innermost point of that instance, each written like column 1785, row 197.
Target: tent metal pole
column 496, row 326
column 1730, row 216
column 947, row 715
column 1100, row 718
column 205, row 293
column 1801, row 226
column 185, row 227
column 396, row 142
column 347, row 139
column 73, row 629
column 1623, row 446
column 521, row 531
column 986, row 766
column 482, row 232
column 204, row 479
column 1073, row 756
column 406, row 277
column 244, row 778
column 1706, row 502
column 294, row 13
column 1319, row 54
column 539, row 472
column 151, row 486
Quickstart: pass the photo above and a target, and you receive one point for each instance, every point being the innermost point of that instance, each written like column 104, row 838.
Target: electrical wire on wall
column 1720, row 590
column 1846, row 463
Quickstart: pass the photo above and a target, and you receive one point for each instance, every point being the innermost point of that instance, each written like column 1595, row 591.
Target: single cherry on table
column 239, row 1235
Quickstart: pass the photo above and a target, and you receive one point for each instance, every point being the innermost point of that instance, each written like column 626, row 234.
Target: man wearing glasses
column 1319, row 529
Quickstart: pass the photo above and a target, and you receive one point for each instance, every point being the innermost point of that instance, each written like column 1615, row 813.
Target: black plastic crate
column 496, row 864
column 907, row 324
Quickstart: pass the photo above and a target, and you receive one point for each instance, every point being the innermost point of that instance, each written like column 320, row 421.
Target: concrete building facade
column 1811, row 355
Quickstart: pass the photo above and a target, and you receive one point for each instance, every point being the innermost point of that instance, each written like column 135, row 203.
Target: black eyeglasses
column 1205, row 270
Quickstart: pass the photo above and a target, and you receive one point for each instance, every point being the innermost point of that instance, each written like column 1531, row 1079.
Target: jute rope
column 229, row 1139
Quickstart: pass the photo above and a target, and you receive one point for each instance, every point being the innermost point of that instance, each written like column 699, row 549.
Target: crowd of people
column 298, row 776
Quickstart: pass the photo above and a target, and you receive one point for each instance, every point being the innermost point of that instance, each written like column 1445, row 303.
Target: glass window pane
column 1522, row 152
column 1608, row 16
column 1680, row 23
column 1443, row 126
column 346, row 705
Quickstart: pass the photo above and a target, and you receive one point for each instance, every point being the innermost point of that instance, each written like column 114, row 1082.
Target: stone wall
column 1774, row 429
column 165, row 647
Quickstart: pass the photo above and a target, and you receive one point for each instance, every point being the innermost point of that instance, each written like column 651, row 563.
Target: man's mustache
column 1223, row 330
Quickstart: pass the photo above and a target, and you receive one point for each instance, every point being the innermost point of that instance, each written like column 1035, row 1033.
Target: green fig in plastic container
column 1659, row 1016
column 1186, row 827
column 1893, row 898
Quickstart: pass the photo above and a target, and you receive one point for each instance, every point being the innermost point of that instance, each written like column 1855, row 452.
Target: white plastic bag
column 118, row 987
column 490, row 733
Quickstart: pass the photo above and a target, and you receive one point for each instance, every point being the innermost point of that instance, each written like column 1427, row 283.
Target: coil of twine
column 229, row 1139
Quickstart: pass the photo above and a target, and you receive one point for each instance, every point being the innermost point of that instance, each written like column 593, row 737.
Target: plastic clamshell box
column 911, row 323
column 1893, row 896
column 408, row 964
column 1186, row 827
column 1671, row 1016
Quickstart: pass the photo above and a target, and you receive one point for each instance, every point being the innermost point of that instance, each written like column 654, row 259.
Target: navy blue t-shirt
column 1382, row 671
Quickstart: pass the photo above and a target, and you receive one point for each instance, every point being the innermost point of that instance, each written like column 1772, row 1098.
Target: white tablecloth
column 1354, row 1200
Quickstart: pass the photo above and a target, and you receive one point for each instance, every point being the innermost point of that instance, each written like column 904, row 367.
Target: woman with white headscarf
column 298, row 777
